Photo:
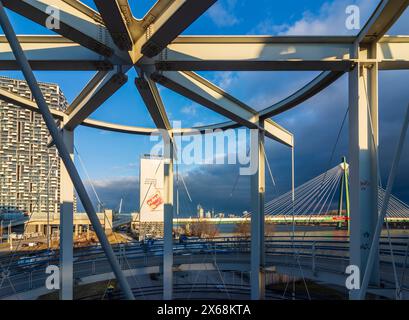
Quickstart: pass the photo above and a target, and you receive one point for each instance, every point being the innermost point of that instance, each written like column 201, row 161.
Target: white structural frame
column 111, row 41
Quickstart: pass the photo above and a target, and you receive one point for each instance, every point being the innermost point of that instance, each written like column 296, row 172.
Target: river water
column 308, row 231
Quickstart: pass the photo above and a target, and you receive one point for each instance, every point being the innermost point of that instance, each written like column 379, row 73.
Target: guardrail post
column 168, row 221
column 313, row 258
column 30, row 280
column 257, row 215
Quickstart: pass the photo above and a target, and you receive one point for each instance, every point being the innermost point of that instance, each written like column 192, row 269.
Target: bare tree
column 243, row 229
column 203, row 229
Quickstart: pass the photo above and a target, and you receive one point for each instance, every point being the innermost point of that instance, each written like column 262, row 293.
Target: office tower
column 29, row 170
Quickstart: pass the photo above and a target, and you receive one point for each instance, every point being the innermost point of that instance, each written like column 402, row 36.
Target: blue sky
column 112, row 159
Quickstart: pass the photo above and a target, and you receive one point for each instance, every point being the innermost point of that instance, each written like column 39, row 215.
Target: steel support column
column 66, row 223
column 168, row 220
column 382, row 215
column 363, row 148
column 62, row 150
column 257, row 214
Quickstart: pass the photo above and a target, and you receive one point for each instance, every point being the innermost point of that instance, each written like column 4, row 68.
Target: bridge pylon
column 363, row 159
column 344, row 189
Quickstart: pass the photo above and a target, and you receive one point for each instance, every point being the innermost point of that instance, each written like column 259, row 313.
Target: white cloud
column 190, row 110
column 198, row 124
column 221, row 13
column 330, row 20
column 259, row 89
column 225, row 79
column 104, row 183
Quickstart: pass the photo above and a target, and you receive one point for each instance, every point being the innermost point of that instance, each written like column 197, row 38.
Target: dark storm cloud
column 209, row 186
column 219, row 187
column 111, row 191
column 315, row 124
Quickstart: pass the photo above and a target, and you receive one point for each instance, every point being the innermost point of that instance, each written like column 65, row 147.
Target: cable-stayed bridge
column 322, row 199
column 324, row 196
column 111, row 41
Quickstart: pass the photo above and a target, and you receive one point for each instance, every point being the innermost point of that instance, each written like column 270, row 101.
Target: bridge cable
column 330, row 160
column 123, row 254
column 397, row 285
column 328, row 178
column 238, row 175
column 212, row 253
column 282, row 204
column 269, row 170
column 332, row 153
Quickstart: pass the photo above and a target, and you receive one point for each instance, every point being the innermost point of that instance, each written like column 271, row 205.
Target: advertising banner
column 151, row 189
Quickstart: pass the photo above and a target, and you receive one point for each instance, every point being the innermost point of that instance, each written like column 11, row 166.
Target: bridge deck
column 319, row 260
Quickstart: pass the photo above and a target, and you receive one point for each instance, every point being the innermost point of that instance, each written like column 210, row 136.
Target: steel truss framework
column 111, row 41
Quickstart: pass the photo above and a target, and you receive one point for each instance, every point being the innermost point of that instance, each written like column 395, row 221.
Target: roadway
column 318, row 259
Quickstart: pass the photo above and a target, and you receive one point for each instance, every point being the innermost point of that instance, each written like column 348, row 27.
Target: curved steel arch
column 112, row 41
column 318, row 84
column 127, row 40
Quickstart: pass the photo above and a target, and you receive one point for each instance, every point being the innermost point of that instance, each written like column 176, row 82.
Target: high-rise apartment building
column 29, row 170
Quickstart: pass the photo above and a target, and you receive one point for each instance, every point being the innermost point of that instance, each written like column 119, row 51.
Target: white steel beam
column 62, row 149
column 200, row 90
column 120, row 128
column 363, row 148
column 25, row 103
column 168, row 24
column 66, row 223
column 240, row 53
column 207, row 128
column 111, row 83
column 28, row 104
column 322, row 81
column 393, row 53
column 278, row 133
column 88, row 90
column 256, row 53
column 76, row 25
column 153, row 101
column 363, row 133
column 52, row 53
column 80, row 6
column 114, row 127
column 138, row 28
column 168, row 221
column 383, row 213
column 113, row 13
column 384, row 16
